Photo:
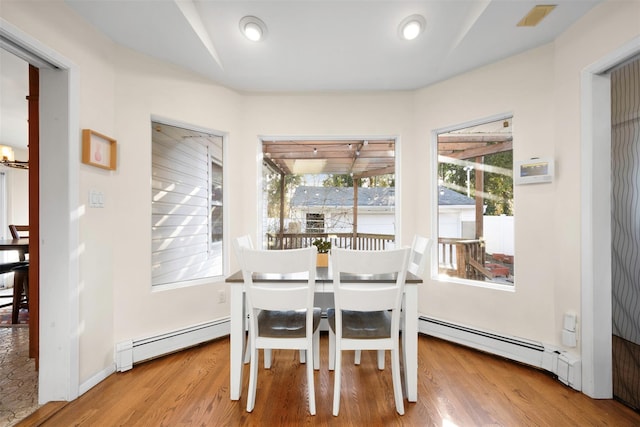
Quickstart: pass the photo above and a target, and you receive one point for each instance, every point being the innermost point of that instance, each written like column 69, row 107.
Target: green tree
column 273, row 192
column 499, row 185
column 346, row 180
column 335, row 180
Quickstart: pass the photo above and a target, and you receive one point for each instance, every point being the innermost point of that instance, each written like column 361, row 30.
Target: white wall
column 17, row 193
column 145, row 87
column 309, row 115
column 521, row 85
column 119, row 91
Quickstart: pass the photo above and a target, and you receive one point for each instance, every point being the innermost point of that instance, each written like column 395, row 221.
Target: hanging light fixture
column 7, row 159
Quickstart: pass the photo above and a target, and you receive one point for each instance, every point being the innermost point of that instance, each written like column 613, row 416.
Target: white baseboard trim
column 127, row 353
column 561, row 363
column 96, row 379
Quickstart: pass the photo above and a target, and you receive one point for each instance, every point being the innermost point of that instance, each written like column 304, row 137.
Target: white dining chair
column 418, row 258
column 281, row 316
column 246, row 242
column 238, row 244
column 366, row 316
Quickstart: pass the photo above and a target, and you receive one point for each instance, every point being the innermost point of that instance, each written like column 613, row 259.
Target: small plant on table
column 324, row 246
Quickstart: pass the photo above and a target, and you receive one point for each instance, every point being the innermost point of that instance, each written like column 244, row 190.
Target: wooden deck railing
column 462, row 258
column 362, row 241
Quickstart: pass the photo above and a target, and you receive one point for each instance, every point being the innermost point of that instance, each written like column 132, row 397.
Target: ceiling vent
column 536, row 15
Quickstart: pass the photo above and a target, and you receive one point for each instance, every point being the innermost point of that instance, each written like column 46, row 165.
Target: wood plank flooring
column 458, row 386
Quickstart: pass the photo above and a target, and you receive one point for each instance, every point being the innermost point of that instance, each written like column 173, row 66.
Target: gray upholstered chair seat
column 290, row 324
column 361, row 325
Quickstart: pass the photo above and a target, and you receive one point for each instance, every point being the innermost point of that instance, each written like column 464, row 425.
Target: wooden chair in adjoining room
column 367, row 316
column 19, row 298
column 19, row 232
column 281, row 317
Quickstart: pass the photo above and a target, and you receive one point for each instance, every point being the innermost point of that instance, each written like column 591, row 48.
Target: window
column 337, row 189
column 315, row 223
column 186, row 204
column 475, row 202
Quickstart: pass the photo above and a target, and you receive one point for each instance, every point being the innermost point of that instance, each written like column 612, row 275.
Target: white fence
column 499, row 235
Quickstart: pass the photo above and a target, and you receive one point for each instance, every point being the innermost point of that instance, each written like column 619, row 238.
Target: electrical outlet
column 222, row 296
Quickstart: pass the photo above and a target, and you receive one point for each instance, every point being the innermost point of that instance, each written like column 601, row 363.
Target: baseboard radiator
column 130, row 352
column 565, row 365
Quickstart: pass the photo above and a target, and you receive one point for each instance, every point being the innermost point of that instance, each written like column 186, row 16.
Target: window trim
column 435, row 276
column 260, row 206
column 225, row 206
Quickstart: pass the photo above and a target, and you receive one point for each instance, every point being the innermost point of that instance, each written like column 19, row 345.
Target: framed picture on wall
column 98, row 150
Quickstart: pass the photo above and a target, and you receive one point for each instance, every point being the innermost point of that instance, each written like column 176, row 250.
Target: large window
column 341, row 190
column 475, row 203
column 186, row 204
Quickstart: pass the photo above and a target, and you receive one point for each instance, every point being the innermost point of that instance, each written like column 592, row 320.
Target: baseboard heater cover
column 565, row 365
column 130, row 352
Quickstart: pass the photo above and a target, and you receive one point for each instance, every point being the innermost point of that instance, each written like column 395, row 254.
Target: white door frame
column 597, row 378
column 58, row 376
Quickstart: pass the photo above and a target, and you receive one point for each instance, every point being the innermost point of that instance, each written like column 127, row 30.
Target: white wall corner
column 124, row 355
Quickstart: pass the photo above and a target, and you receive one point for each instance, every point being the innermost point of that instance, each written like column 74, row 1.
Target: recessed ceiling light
column 253, row 28
column 411, row 27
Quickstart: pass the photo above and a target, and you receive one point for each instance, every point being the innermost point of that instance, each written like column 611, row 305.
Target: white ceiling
column 327, row 45
column 347, row 45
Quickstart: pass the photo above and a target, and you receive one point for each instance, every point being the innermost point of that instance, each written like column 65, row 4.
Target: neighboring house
column 330, row 210
column 456, row 214
column 456, row 219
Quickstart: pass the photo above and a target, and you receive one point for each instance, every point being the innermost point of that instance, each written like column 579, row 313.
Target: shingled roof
column 367, row 196
column 343, row 196
column 448, row 197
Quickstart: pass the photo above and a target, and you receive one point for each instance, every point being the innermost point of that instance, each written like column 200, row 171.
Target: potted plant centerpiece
column 324, row 246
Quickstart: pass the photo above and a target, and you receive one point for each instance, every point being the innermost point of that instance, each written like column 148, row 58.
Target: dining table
column 19, row 245
column 324, row 288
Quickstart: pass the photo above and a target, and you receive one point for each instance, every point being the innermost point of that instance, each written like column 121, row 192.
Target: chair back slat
column 19, row 231
column 363, row 299
column 276, row 296
column 273, row 298
column 369, row 296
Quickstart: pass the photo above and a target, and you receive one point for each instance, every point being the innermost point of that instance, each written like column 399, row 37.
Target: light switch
column 96, row 199
column 569, row 323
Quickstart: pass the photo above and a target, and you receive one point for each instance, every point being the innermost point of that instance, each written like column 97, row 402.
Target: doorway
column 625, row 242
column 58, row 376
column 596, row 237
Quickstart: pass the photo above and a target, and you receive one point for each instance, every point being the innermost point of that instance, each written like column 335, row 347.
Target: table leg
column 410, row 342
column 237, row 339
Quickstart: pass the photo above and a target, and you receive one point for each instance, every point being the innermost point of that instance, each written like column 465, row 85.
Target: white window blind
column 186, row 186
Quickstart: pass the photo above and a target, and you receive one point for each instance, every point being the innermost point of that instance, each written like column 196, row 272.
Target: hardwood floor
column 457, row 387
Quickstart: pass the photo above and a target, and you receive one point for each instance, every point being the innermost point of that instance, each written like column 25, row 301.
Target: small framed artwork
column 98, row 150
